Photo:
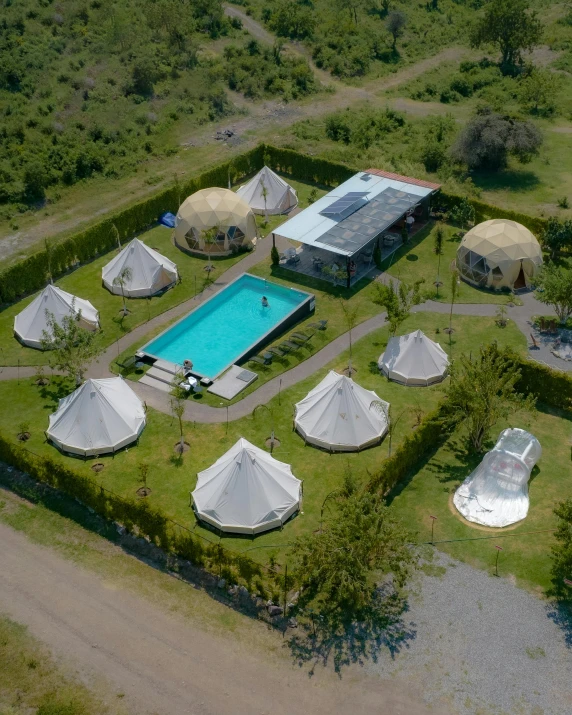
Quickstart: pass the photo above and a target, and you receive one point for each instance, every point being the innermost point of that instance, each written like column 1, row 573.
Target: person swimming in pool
column 265, row 303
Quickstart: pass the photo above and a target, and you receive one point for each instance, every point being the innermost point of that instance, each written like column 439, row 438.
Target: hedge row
column 552, row 387
column 484, row 211
column 429, row 435
column 137, row 516
column 31, row 273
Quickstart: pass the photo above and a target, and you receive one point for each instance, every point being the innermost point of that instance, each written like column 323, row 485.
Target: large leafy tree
column 72, row 347
column 489, row 138
column 554, row 287
column 562, row 551
column 557, row 235
column 512, row 26
column 482, row 392
column 360, row 541
column 398, row 300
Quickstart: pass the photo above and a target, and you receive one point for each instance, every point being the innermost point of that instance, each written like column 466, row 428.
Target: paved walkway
column 200, row 412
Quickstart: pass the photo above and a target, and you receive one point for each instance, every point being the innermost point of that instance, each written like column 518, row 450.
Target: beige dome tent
column 499, row 254
column 150, row 272
column 414, row 359
column 30, row 324
column 280, row 196
column 341, row 416
column 209, row 208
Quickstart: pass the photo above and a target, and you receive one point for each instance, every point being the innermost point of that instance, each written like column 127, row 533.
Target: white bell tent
column 246, row 491
column 496, row 492
column 414, row 359
column 150, row 271
column 32, row 321
column 101, row 416
column 341, row 416
column 280, row 196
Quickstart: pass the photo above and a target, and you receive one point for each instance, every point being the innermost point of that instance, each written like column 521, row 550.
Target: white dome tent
column 496, row 492
column 100, row 417
column 32, row 321
column 280, row 196
column 414, row 359
column 247, row 491
column 499, row 254
column 341, row 416
column 150, row 271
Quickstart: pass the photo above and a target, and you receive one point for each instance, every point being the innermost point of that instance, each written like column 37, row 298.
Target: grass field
column 172, row 479
column 85, row 282
column 32, row 681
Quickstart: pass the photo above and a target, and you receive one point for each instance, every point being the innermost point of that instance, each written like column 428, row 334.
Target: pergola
column 343, row 227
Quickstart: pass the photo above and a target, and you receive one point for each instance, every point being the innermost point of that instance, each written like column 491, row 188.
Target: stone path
column 199, row 412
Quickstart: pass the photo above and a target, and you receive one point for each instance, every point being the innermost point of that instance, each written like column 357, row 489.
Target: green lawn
column 525, row 557
column 171, row 480
column 417, row 260
column 86, row 283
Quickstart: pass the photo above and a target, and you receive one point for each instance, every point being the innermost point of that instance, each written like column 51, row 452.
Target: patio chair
column 293, row 260
column 320, row 325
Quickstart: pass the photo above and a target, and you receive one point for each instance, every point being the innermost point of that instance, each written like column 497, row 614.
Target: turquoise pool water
column 217, row 333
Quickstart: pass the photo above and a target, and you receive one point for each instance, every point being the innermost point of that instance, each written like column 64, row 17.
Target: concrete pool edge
column 306, row 307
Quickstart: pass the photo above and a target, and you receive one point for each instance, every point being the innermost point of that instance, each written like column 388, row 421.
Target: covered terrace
column 339, row 232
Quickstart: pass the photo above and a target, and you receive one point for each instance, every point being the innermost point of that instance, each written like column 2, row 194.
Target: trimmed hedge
column 296, row 165
column 549, row 386
column 137, row 516
column 429, row 435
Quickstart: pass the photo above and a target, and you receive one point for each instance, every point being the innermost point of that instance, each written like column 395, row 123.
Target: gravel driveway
column 483, row 645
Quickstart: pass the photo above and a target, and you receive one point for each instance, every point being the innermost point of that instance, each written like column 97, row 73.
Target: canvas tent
column 246, row 491
column 150, row 271
column 101, row 416
column 496, row 493
column 280, row 196
column 414, row 359
column 341, row 416
column 499, row 254
column 208, row 208
column 32, row 321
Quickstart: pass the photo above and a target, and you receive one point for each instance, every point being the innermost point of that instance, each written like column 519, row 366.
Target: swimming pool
column 230, row 326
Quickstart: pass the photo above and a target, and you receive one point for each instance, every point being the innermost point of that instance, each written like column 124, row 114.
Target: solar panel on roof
column 346, row 204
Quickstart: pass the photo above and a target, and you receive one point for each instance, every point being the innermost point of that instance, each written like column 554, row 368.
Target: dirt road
column 160, row 661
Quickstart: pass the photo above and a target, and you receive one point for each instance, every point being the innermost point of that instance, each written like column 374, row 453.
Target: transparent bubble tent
column 496, row 492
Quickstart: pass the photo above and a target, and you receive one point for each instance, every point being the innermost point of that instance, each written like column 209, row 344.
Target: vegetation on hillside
column 97, row 88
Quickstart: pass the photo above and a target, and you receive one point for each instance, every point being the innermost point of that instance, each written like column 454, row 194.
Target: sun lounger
column 300, row 337
column 259, row 360
column 320, row 325
column 289, row 344
column 277, row 352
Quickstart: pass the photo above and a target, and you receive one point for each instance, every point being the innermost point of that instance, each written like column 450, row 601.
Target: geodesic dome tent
column 208, row 208
column 496, row 493
column 341, row 416
column 499, row 254
column 150, row 271
column 101, row 416
column 414, row 359
column 247, row 491
column 30, row 324
column 280, row 196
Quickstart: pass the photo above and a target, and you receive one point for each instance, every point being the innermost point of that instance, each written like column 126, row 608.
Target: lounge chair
column 277, row 352
column 300, row 337
column 128, row 362
column 290, row 344
column 320, row 325
column 259, row 360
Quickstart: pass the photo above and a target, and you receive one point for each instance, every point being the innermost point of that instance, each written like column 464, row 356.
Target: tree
column 395, row 25
column 292, row 19
column 143, row 75
column 72, row 347
column 177, row 404
column 115, row 232
column 264, row 191
column 391, row 421
column 554, row 287
column 438, row 249
column 463, row 213
column 482, row 391
column 335, row 566
column 454, row 290
column 489, row 138
column 512, row 26
column 562, row 551
column 209, row 236
column 350, row 316
column 539, row 92
column 398, row 300
column 121, row 280
column 557, row 235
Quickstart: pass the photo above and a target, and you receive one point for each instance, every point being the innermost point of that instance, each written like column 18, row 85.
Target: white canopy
column 31, row 322
column 414, row 359
column 280, row 196
column 341, row 416
column 496, row 493
column 150, row 271
column 246, row 491
column 101, row 416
